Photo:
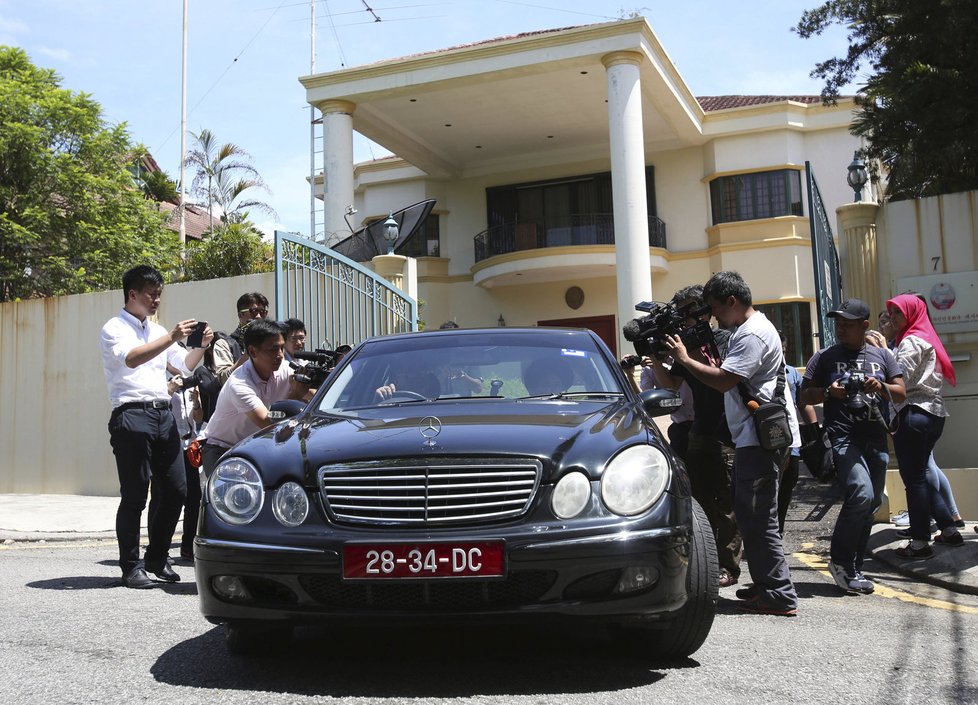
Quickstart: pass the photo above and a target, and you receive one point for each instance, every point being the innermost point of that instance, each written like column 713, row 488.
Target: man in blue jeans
column 854, row 380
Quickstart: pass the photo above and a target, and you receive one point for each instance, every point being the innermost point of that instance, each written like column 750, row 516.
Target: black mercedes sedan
column 462, row 475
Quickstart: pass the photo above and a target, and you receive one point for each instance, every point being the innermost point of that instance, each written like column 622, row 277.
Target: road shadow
column 77, row 582
column 91, row 582
column 418, row 661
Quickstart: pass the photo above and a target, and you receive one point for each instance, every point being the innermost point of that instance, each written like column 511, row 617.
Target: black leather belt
column 155, row 404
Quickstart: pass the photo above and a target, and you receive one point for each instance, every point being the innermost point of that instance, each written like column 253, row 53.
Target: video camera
column 648, row 333
column 319, row 363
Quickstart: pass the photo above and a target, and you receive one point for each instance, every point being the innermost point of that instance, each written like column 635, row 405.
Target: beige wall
column 53, row 436
column 909, row 235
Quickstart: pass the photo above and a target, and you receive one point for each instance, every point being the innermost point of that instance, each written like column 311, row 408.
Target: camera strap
column 778, row 389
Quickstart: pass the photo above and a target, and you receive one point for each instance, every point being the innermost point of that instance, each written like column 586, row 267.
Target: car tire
column 689, row 628
column 248, row 639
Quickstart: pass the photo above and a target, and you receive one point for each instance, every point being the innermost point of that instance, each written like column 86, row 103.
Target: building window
column 568, row 211
column 426, row 241
column 765, row 194
column 795, row 321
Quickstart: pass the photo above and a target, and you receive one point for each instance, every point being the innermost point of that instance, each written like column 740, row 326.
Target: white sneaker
column 861, row 584
column 902, row 519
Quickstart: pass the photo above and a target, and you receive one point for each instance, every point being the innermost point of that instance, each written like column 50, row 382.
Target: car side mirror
column 286, row 409
column 659, row 402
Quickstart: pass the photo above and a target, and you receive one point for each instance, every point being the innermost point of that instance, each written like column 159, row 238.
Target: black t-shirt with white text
column 833, row 363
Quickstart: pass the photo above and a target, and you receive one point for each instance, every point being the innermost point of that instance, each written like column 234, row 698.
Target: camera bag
column 771, row 420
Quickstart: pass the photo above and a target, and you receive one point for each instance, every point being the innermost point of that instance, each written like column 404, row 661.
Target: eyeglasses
column 255, row 311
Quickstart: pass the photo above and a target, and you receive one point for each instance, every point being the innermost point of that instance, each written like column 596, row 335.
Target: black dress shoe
column 137, row 579
column 164, row 572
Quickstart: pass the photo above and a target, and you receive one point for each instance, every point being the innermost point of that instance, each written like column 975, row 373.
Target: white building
column 576, row 174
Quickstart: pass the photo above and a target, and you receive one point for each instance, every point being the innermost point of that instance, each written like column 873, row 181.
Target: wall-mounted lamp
column 391, row 231
column 501, row 322
column 857, row 176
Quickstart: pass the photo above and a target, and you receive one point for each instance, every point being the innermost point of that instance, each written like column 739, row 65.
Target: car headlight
column 634, row 480
column 291, row 505
column 235, row 490
column 571, row 494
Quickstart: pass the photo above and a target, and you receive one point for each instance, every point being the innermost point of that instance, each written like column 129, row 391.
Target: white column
column 337, row 166
column 632, row 262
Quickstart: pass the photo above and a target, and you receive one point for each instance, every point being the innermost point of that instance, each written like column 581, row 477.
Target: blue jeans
column 938, row 480
column 914, row 440
column 860, row 466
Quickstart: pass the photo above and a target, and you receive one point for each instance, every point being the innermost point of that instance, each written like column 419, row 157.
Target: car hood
column 562, row 435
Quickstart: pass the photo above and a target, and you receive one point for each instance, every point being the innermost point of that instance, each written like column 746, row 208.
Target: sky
column 244, row 58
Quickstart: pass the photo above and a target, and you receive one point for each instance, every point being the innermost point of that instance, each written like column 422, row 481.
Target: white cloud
column 56, row 54
column 12, row 26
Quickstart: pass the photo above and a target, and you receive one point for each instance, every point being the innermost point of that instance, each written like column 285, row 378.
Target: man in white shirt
column 142, row 430
column 755, row 360
column 242, row 407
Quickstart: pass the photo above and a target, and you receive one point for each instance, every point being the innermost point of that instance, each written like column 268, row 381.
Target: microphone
column 632, row 330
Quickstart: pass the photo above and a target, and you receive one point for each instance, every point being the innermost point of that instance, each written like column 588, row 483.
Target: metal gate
column 340, row 301
column 828, row 273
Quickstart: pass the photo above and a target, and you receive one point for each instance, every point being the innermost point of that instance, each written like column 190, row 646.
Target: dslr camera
column 648, row 333
column 319, row 363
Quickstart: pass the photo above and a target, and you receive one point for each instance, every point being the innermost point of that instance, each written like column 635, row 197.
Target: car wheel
column 246, row 639
column 689, row 629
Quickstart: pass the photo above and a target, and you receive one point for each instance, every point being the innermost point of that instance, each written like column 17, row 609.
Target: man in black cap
column 854, row 380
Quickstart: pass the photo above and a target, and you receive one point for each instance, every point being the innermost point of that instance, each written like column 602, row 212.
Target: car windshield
column 487, row 365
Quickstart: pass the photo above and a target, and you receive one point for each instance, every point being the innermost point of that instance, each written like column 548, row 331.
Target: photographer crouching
column 708, row 461
column 854, row 380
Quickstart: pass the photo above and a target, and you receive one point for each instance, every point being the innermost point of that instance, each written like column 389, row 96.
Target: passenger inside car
column 547, row 376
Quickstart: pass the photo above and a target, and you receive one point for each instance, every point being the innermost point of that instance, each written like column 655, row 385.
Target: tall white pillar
column 337, row 166
column 634, row 267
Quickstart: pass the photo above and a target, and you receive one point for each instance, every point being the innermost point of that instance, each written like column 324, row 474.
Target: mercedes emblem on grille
column 430, row 427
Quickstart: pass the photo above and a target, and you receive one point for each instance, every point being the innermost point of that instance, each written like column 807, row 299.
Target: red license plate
column 470, row 559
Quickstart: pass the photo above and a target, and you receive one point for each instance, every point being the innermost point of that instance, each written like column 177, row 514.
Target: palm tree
column 159, row 187
column 223, row 173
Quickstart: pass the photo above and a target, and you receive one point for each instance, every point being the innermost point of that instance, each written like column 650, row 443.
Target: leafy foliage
column 230, row 250
column 223, row 174
column 71, row 220
column 919, row 106
column 159, row 187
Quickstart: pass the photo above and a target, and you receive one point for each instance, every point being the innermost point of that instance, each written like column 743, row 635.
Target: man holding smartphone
column 142, row 430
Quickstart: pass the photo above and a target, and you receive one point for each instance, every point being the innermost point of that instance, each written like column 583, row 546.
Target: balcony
column 584, row 229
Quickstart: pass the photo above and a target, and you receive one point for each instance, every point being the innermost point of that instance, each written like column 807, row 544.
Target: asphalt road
column 71, row 634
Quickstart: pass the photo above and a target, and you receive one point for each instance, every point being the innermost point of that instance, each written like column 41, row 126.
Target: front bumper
column 558, row 574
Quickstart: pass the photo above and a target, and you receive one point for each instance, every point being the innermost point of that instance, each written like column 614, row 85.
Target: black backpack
column 210, row 385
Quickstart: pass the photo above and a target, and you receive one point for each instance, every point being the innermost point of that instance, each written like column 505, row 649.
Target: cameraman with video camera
column 707, row 460
column 854, row 380
column 244, row 401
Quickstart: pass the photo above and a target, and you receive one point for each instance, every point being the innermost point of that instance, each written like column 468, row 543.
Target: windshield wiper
column 574, row 395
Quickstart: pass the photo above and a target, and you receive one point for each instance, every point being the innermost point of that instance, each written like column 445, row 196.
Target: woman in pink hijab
column 920, row 422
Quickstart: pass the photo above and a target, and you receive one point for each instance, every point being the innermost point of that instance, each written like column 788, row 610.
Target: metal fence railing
column 339, row 300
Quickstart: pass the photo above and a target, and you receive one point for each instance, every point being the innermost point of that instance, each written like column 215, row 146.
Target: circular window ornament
column 574, row 297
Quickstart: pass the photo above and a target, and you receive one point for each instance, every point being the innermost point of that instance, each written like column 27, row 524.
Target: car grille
column 519, row 588
column 430, row 493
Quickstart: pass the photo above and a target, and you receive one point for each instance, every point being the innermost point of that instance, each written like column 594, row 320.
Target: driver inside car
column 410, row 382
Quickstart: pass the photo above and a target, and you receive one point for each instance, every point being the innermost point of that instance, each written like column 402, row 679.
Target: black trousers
column 191, row 509
column 146, row 444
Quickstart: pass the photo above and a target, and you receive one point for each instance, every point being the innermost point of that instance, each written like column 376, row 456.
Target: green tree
column 70, row 219
column 229, row 251
column 223, row 174
column 159, row 187
column 918, row 109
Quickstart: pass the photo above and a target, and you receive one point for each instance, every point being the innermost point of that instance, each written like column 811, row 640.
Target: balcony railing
column 584, row 229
